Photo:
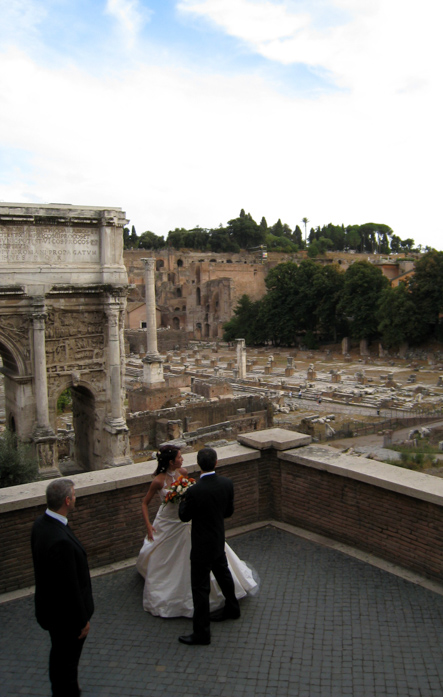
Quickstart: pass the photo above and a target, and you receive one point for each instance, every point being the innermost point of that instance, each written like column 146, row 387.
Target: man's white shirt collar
column 57, row 516
column 205, row 474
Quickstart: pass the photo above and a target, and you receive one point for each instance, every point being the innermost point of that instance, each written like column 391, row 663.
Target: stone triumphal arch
column 63, row 290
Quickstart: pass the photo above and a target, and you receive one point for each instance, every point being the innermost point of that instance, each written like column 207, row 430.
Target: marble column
column 152, row 362
column 44, row 436
column 40, row 379
column 241, row 358
column 115, row 419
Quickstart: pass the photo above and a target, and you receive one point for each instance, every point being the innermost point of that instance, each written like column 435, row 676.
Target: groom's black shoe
column 224, row 614
column 193, row 640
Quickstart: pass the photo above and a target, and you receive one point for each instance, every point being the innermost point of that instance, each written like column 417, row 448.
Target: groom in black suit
column 63, row 594
column 207, row 504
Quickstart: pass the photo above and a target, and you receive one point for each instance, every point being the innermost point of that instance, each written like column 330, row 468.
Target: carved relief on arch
column 75, row 339
column 16, row 324
column 62, row 323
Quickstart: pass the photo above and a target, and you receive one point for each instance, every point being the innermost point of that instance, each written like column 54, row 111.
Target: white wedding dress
column 165, row 565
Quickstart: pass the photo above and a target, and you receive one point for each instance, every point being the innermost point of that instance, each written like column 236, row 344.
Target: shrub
column 64, row 402
column 18, row 465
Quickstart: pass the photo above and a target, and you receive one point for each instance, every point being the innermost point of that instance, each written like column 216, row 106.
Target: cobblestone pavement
column 323, row 625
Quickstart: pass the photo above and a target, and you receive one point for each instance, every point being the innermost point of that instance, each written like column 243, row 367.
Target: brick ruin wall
column 167, row 340
column 196, row 292
column 145, row 432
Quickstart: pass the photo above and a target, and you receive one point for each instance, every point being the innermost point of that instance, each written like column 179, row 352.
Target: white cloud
column 180, row 147
column 130, row 15
column 254, row 22
column 375, row 45
column 20, row 20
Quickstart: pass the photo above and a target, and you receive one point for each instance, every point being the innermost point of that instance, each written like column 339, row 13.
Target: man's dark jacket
column 207, row 504
column 63, row 593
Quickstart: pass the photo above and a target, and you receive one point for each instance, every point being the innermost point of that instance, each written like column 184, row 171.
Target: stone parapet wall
column 108, row 518
column 392, row 513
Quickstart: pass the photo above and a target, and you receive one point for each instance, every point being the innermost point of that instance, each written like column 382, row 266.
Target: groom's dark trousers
column 207, row 504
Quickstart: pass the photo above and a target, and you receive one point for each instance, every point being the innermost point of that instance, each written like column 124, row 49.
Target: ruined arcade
column 63, row 291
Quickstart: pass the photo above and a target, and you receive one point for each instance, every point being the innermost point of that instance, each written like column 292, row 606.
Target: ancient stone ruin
column 63, row 290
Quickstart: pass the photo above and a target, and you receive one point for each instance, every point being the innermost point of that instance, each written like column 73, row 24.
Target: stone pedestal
column 289, row 372
column 153, row 371
column 360, row 377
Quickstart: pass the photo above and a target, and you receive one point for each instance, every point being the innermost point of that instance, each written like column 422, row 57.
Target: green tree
column 328, row 287
column 176, row 237
column 362, row 286
column 245, row 322
column 130, row 239
column 407, row 245
column 220, row 241
column 18, row 465
column 399, row 317
column 313, row 250
column 395, row 244
column 324, row 243
column 297, row 237
column 149, row 240
column 197, row 238
column 245, row 231
column 263, row 223
column 290, row 303
column 280, row 302
column 427, row 289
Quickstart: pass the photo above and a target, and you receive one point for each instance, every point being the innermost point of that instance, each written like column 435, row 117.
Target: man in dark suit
column 63, row 593
column 207, row 504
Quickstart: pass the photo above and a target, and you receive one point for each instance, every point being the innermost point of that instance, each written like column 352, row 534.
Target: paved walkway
column 323, row 625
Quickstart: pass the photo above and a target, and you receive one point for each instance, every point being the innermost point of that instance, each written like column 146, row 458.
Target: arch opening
column 76, row 420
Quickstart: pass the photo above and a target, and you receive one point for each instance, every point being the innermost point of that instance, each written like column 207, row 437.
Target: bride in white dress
column 164, row 559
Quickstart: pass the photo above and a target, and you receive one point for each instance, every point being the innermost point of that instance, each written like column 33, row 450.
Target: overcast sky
column 184, row 112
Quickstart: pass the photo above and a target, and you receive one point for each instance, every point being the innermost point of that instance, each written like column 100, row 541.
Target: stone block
column 278, row 438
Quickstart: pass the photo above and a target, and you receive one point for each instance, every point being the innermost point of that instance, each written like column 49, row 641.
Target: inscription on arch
column 48, row 244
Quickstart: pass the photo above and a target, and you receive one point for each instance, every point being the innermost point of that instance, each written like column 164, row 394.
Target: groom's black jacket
column 207, row 504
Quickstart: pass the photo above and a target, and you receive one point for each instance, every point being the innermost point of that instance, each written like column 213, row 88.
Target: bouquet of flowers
column 178, row 489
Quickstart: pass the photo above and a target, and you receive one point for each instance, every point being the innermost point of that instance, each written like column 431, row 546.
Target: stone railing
column 390, row 512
